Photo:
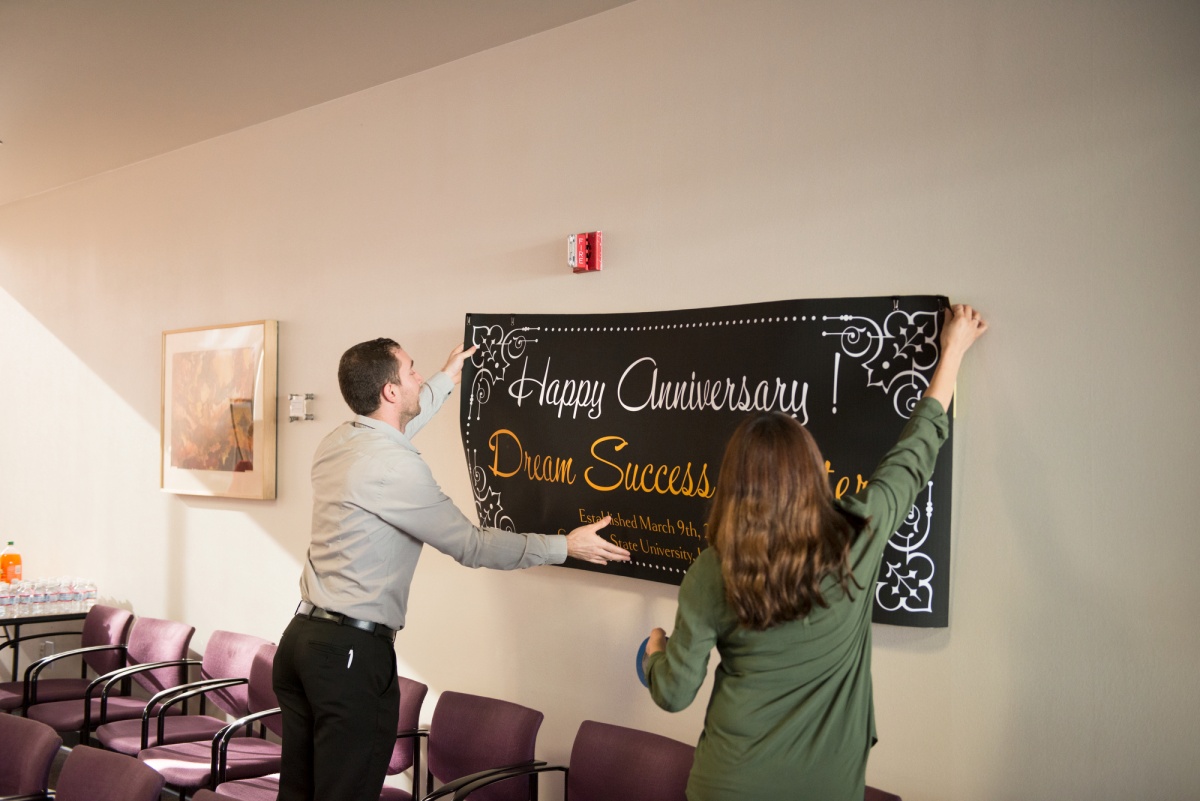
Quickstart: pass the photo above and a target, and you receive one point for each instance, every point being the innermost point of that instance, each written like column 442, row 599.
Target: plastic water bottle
column 89, row 595
column 24, row 596
column 53, row 597
column 39, row 597
column 6, row 600
column 10, row 564
column 72, row 598
column 65, row 593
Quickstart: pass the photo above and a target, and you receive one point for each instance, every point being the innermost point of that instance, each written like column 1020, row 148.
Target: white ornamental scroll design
column 498, row 349
column 907, row 584
column 899, row 355
column 487, row 500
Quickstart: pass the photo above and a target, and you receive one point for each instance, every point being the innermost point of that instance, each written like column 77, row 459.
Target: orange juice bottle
column 10, row 564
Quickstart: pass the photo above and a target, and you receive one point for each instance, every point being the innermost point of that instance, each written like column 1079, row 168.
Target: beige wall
column 1040, row 160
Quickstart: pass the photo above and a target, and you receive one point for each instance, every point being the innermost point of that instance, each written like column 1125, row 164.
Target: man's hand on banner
column 585, row 544
column 454, row 364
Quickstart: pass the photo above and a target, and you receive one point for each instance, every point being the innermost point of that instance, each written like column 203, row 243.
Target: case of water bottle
column 46, row 597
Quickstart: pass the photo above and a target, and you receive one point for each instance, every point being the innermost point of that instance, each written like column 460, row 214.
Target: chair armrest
column 502, row 775
column 462, row 781
column 415, row 734
column 183, row 692
column 220, row 743
column 227, row 732
column 39, row 665
column 46, row 796
column 164, row 699
column 411, row 733
column 112, row 677
column 29, row 690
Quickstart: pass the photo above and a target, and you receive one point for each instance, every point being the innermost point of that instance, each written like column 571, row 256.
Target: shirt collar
column 391, row 431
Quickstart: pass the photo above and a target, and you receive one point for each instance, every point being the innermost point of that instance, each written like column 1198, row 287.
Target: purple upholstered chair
column 90, row 774
column 404, row 755
column 407, row 752
column 224, row 677
column 874, row 794
column 470, row 735
column 190, row 766
column 104, row 630
column 28, row 749
column 155, row 657
column 609, row 762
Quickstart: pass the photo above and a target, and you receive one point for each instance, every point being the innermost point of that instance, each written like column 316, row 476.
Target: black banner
column 567, row 418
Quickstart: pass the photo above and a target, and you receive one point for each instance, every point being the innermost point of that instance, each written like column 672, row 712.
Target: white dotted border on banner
column 658, row 567
column 673, row 326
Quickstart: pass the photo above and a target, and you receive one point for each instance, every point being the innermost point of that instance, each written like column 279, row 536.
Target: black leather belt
column 305, row 609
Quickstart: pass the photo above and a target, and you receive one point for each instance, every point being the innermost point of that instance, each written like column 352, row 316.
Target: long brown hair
column 774, row 525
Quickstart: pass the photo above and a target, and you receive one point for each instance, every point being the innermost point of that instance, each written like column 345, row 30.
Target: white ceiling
column 88, row 86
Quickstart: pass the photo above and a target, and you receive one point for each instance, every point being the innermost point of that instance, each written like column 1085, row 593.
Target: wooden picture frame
column 219, row 402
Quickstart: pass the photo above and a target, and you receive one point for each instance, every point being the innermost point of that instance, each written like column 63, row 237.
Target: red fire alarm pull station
column 585, row 252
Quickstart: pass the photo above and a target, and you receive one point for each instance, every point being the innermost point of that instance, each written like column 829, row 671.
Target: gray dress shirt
column 375, row 504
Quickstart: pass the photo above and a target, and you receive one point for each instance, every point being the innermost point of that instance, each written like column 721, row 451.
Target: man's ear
column 389, row 393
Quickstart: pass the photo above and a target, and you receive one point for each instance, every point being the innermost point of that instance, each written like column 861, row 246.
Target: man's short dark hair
column 364, row 371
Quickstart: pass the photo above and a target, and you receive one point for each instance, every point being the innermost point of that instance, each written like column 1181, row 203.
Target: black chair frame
column 501, row 774
column 165, row 699
column 220, row 743
column 34, row 671
column 462, row 781
column 105, row 683
column 416, row 734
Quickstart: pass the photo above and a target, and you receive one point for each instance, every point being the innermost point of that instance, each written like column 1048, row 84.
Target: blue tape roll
column 641, row 655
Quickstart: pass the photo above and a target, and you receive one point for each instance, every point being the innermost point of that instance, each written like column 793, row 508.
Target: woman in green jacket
column 784, row 593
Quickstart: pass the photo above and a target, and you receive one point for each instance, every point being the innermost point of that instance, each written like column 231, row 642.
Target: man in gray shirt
column 375, row 505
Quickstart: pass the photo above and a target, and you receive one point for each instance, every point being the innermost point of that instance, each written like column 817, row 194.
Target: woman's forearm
column 945, row 376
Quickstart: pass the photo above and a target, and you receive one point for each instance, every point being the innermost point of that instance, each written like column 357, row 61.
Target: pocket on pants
column 328, row 654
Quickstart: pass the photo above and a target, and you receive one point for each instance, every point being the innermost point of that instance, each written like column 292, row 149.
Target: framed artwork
column 219, row 410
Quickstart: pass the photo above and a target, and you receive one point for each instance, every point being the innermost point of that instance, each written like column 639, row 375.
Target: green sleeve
column 901, row 475
column 675, row 675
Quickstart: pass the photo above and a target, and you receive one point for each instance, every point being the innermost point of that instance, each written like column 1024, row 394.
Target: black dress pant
column 340, row 699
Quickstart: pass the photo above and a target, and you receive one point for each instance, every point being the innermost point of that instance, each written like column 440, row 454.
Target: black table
column 25, row 620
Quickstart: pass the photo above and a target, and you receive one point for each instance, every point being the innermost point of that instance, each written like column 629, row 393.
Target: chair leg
column 416, row 769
